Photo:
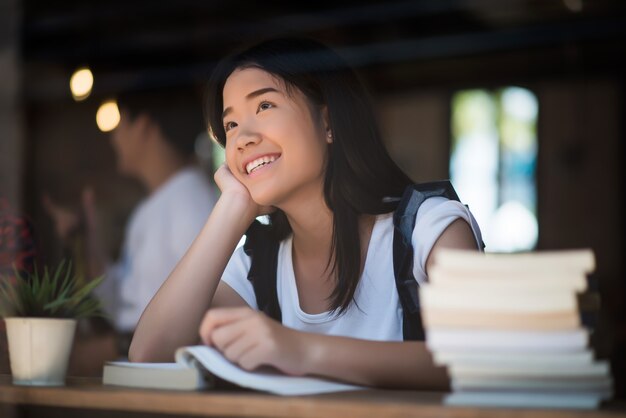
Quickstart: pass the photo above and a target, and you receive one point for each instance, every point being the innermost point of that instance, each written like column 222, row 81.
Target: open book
column 197, row 367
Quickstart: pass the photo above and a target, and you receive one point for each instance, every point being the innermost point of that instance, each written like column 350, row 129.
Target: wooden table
column 88, row 394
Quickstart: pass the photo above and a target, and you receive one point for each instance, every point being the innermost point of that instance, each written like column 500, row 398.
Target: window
column 210, row 155
column 492, row 163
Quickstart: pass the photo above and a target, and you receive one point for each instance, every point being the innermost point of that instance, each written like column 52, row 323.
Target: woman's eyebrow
column 252, row 95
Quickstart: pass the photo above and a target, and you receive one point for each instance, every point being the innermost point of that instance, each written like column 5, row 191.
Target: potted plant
column 40, row 310
column 17, row 252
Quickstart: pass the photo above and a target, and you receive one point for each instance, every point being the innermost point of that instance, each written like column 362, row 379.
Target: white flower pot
column 39, row 350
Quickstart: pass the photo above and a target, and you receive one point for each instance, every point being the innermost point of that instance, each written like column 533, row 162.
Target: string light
column 81, row 83
column 108, row 116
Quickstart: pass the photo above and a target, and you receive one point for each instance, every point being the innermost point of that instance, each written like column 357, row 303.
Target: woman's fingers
column 251, row 339
column 225, row 335
column 229, row 183
column 215, row 318
column 225, row 179
column 242, row 335
column 251, row 359
column 239, row 347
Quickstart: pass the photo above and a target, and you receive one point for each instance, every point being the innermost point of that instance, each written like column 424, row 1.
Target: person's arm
column 172, row 317
column 251, row 339
column 457, row 235
column 97, row 259
column 71, row 225
column 406, row 365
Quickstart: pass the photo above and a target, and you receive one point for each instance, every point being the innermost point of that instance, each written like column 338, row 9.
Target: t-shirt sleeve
column 188, row 214
column 433, row 217
column 236, row 276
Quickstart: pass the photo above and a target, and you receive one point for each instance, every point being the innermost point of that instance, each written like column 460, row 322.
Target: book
column 525, row 400
column 539, row 263
column 521, row 301
column 497, row 320
column 170, row 376
column 498, row 359
column 538, row 371
column 510, row 280
column 601, row 385
column 508, row 329
column 198, row 367
column 506, row 341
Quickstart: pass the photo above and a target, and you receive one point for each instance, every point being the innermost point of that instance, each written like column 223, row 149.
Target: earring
column 329, row 134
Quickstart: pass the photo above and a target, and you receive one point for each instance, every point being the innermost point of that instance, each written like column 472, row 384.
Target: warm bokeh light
column 108, row 116
column 81, row 83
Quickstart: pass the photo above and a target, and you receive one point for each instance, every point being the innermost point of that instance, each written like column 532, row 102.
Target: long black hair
column 359, row 173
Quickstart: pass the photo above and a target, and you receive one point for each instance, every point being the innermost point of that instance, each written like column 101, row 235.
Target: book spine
column 570, row 341
column 547, row 261
column 530, row 301
column 476, row 319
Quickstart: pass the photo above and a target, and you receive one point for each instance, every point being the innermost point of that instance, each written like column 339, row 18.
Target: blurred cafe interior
column 521, row 103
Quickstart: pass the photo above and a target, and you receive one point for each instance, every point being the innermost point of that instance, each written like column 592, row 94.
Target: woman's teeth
column 258, row 163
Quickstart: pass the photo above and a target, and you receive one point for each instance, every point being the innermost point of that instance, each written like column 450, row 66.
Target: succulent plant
column 44, row 295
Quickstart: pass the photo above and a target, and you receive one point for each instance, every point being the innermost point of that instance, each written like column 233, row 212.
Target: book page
column 276, row 383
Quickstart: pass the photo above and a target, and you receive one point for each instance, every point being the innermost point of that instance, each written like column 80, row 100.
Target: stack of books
column 507, row 327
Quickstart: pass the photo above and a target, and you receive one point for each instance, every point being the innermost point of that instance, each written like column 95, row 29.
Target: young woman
column 302, row 145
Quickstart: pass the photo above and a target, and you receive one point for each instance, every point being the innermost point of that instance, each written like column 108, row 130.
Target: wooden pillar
column 580, row 194
column 11, row 137
column 11, row 167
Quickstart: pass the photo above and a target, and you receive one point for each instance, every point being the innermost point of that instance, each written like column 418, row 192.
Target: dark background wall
column 412, row 54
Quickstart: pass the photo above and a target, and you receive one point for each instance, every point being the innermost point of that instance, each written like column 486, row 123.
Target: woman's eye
column 264, row 106
column 229, row 125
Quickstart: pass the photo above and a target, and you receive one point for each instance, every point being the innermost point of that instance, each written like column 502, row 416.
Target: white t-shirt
column 377, row 314
column 158, row 234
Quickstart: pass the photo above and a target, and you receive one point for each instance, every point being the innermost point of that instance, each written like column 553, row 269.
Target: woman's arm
column 457, row 235
column 251, row 339
column 173, row 316
column 407, row 365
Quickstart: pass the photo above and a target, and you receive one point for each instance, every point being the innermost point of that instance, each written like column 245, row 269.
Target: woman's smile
column 252, row 167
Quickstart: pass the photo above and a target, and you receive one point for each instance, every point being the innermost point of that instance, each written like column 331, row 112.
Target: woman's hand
column 229, row 184
column 251, row 339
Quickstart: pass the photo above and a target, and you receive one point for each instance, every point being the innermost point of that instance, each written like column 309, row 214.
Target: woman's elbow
column 137, row 353
column 142, row 352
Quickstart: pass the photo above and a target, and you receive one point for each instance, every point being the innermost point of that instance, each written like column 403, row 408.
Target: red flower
column 17, row 243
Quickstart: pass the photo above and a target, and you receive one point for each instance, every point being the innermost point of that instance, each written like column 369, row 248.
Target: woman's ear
column 327, row 131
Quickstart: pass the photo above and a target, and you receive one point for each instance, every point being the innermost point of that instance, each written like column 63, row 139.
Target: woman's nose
column 247, row 137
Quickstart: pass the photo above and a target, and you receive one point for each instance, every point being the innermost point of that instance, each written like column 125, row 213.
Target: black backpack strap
column 404, row 223
column 262, row 249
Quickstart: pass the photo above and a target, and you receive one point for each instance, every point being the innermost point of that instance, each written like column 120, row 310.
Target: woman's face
column 273, row 144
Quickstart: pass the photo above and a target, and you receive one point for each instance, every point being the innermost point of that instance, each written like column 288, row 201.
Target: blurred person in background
column 154, row 144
